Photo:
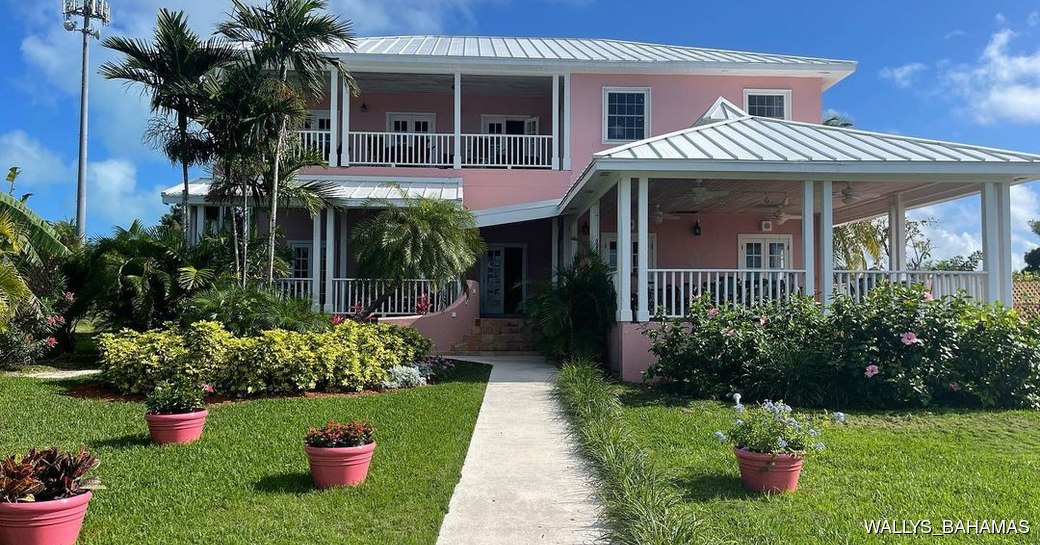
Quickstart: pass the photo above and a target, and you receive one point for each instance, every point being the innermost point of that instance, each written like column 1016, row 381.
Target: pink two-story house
column 713, row 162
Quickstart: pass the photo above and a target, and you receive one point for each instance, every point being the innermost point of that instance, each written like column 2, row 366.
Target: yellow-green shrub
column 350, row 356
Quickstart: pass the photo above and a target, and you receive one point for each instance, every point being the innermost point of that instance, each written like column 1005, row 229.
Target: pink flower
column 909, row 338
column 713, row 312
column 955, row 387
column 336, row 319
column 207, row 388
column 761, row 320
column 928, row 296
column 729, row 332
column 52, row 342
column 61, row 320
column 871, row 371
column 68, row 296
column 51, row 320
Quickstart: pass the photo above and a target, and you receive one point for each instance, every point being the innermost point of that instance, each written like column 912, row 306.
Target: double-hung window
column 626, row 114
column 768, row 103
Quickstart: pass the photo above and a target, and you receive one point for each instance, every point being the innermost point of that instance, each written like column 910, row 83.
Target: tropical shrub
column 350, row 356
column 403, row 376
column 435, row 368
column 177, row 396
column 356, row 433
column 243, row 310
column 573, row 316
column 45, row 475
column 33, row 333
column 899, row 347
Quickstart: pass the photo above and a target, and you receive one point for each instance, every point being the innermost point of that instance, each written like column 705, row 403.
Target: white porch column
column 897, row 234
column 642, row 252
column 345, row 125
column 200, row 222
column 566, row 122
column 458, row 120
column 594, row 226
column 343, row 234
column 826, row 242
column 809, row 237
column 555, row 247
column 572, row 239
column 1004, row 238
column 991, row 242
column 333, row 158
column 624, row 249
column 555, row 122
column 315, row 259
column 330, row 255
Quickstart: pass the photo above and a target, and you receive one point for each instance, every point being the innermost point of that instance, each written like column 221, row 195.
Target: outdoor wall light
column 364, row 107
column 696, row 228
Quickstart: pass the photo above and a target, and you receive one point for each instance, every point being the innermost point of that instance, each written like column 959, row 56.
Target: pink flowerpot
column 176, row 428
column 342, row 466
column 768, row 472
column 54, row 522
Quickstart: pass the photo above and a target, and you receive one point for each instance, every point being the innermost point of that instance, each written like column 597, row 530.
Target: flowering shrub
column 403, row 376
column 771, row 428
column 898, row 347
column 356, row 433
column 435, row 367
column 33, row 334
column 177, row 397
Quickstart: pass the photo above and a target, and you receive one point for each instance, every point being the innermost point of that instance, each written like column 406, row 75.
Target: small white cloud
column 1033, row 18
column 1000, row 19
column 1001, row 86
column 40, row 165
column 113, row 195
column 954, row 34
column 903, row 76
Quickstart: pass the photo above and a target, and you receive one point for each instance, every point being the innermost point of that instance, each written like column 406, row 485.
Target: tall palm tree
column 856, row 245
column 296, row 34
column 170, row 70
column 24, row 238
column 433, row 239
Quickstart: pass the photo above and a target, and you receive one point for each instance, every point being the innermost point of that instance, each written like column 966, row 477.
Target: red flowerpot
column 768, row 472
column 54, row 522
column 176, row 428
column 341, row 466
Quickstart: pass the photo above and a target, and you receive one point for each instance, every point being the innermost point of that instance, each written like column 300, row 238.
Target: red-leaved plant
column 45, row 475
column 355, row 433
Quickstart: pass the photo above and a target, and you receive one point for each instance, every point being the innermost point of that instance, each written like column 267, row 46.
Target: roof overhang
column 516, row 213
column 348, row 191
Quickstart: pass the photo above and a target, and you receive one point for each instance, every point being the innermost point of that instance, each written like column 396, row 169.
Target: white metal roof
column 353, row 191
column 516, row 213
column 581, row 54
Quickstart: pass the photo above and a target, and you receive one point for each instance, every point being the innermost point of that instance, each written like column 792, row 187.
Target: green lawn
column 905, row 466
column 247, row 480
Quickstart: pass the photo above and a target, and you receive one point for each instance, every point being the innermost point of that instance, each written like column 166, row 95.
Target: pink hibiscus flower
column 713, row 312
column 871, row 371
column 909, row 338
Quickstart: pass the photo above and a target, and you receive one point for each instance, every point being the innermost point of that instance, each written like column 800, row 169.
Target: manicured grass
column 915, row 465
column 247, row 480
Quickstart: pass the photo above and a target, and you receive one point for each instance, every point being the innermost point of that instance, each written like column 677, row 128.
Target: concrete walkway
column 522, row 481
column 58, row 374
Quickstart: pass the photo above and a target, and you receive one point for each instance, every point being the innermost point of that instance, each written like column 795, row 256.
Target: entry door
column 764, row 252
column 503, row 279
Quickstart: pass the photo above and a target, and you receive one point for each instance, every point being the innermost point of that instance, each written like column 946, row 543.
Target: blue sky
column 955, row 69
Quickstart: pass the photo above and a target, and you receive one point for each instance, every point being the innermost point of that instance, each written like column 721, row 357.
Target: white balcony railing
column 671, row 290
column 401, row 149
column 507, row 150
column 350, row 295
column 857, row 284
column 316, row 141
column 294, row 287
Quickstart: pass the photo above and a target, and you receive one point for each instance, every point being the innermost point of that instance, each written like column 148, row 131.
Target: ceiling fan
column 658, row 216
column 779, row 216
column 848, row 195
column 700, row 194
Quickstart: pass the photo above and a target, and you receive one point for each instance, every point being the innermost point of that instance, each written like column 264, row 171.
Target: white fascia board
column 516, row 213
column 847, row 170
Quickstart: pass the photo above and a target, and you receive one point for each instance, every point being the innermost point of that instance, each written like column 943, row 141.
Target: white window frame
column 604, row 249
column 743, row 239
column 411, row 116
column 786, row 93
column 309, row 245
column 487, row 119
column 646, row 112
column 315, row 116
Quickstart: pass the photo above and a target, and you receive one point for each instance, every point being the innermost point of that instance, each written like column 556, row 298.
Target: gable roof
column 587, row 54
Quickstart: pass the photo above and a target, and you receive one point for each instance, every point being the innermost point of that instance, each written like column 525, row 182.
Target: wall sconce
column 696, row 228
column 364, row 107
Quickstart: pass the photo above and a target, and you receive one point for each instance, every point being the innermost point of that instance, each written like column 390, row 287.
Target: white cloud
column 40, row 165
column 1000, row 19
column 1001, row 86
column 420, row 16
column 114, row 197
column 903, row 76
column 954, row 34
column 1033, row 19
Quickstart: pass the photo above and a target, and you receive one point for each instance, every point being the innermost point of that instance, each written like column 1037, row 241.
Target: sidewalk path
column 522, row 481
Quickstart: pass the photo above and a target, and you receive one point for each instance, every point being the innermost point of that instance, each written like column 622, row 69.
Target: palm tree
column 433, row 239
column 297, row 34
column 856, row 245
column 24, row 238
column 170, row 70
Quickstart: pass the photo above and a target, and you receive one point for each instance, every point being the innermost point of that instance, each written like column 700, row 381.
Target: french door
column 412, row 146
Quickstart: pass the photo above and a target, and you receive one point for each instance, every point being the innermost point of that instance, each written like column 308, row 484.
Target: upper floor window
column 626, row 114
column 768, row 103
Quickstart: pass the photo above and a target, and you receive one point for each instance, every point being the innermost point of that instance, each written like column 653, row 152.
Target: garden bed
column 247, row 480
column 899, row 466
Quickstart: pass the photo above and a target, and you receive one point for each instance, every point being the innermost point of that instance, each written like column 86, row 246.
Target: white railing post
column 458, row 120
column 555, row 122
column 333, row 157
column 345, row 126
column 624, row 249
column 566, row 122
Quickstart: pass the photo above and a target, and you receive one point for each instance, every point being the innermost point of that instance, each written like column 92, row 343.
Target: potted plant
column 340, row 454
column 770, row 444
column 44, row 496
column 176, row 411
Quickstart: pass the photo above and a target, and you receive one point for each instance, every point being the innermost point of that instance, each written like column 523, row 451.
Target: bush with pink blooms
column 899, row 347
column 33, row 333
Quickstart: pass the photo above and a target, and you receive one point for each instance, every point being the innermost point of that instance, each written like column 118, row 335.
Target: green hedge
column 348, row 357
column 896, row 348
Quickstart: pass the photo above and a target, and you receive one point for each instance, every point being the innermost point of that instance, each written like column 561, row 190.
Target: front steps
column 497, row 337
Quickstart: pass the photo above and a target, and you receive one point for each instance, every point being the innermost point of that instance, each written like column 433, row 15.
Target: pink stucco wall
column 448, row 327
column 629, row 351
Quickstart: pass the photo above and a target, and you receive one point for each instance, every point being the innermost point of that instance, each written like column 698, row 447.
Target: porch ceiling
column 441, row 84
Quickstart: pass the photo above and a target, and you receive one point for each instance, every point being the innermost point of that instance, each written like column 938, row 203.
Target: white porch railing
column 400, row 149
column 350, row 295
column 319, row 141
column 294, row 287
column 672, row 289
column 857, row 284
column 507, row 150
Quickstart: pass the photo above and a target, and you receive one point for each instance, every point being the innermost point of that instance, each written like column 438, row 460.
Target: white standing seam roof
column 348, row 190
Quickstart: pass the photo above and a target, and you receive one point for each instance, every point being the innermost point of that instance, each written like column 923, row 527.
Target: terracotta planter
column 176, row 428
column 343, row 466
column 54, row 522
column 768, row 472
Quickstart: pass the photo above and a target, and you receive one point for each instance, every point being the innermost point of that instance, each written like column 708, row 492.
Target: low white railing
column 294, row 287
column 507, row 150
column 671, row 290
column 351, row 295
column 319, row 141
column 400, row 149
column 857, row 284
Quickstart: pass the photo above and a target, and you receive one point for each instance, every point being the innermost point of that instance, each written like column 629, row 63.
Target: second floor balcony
column 441, row 121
